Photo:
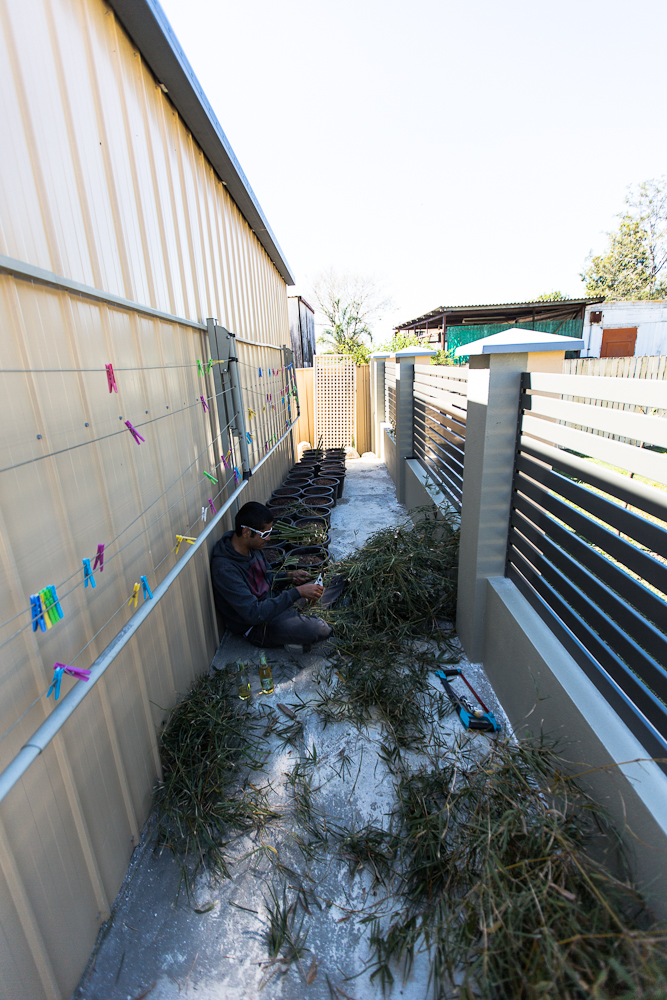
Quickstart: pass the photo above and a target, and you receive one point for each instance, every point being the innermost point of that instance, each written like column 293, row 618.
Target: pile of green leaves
column 206, row 747
column 393, row 625
column 500, row 883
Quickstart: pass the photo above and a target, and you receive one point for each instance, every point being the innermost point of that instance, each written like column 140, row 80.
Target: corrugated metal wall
column 102, row 183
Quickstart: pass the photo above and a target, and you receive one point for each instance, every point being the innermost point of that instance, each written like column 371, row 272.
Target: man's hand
column 311, row 591
column 299, row 576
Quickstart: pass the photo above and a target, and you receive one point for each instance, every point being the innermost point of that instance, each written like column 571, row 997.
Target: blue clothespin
column 37, row 613
column 56, row 602
column 55, row 685
column 248, row 436
column 148, row 593
column 88, row 574
column 260, row 372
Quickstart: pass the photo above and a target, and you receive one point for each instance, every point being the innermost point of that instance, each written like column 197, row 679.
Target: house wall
column 103, row 184
column 650, row 318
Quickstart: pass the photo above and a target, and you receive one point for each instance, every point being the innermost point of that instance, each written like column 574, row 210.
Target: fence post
column 377, row 400
column 493, row 407
column 406, row 360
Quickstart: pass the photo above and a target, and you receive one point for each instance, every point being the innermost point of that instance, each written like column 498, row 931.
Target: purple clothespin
column 134, row 432
column 203, row 403
column 212, row 506
column 111, row 379
column 237, row 475
column 81, row 673
column 99, row 558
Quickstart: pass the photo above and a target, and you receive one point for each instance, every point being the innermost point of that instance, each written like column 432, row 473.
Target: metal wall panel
column 101, row 182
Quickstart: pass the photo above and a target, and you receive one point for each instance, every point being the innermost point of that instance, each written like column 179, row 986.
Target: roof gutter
column 147, row 25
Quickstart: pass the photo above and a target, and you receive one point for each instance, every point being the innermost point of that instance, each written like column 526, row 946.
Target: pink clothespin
column 212, row 506
column 99, row 558
column 203, row 403
column 111, row 379
column 134, row 432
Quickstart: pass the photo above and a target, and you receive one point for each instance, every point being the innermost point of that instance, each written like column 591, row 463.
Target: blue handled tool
column 471, row 718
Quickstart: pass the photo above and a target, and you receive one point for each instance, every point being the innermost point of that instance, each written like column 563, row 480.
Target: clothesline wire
column 105, row 437
column 107, row 622
column 67, row 371
column 127, row 527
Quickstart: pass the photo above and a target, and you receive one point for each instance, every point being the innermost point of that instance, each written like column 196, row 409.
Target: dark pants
column 290, row 627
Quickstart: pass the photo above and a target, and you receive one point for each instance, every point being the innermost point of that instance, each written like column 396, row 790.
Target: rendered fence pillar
column 377, row 400
column 496, row 364
column 405, row 373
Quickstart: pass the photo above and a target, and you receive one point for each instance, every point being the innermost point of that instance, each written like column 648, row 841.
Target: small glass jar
column 244, row 682
column 265, row 675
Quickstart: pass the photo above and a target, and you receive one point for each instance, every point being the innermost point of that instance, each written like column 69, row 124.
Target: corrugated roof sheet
column 549, row 305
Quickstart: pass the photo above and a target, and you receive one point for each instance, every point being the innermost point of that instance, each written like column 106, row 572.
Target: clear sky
column 459, row 152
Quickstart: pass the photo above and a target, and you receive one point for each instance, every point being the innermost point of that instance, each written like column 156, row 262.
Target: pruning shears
column 471, row 718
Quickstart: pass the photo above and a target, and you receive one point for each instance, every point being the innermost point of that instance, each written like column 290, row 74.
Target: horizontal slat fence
column 439, row 425
column 588, row 541
column 390, row 393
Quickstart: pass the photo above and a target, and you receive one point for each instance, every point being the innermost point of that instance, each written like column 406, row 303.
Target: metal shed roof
column 149, row 28
column 501, row 312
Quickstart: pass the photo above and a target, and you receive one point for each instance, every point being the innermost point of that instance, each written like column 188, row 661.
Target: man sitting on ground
column 242, row 585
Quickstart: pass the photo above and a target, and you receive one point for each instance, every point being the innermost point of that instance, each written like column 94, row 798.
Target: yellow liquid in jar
column 244, row 689
column 266, row 678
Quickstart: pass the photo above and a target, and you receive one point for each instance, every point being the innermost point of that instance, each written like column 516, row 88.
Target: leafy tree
column 551, row 297
column 637, row 251
column 400, row 340
column 351, row 304
column 445, row 357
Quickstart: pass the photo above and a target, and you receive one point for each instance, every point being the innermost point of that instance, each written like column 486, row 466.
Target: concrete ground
column 159, row 946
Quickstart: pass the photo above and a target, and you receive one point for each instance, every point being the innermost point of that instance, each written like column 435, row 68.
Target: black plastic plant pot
column 312, row 491
column 274, row 555
column 316, row 511
column 317, row 524
column 312, row 453
column 310, row 557
column 338, row 476
column 335, row 453
column 282, row 505
column 309, row 504
column 287, row 491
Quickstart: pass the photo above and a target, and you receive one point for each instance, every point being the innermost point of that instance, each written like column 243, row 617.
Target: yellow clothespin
column 251, row 413
column 183, row 538
column 135, row 595
column 45, row 612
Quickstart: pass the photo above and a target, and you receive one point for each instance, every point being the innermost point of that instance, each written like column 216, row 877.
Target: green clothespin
column 209, row 366
column 200, row 370
column 212, row 478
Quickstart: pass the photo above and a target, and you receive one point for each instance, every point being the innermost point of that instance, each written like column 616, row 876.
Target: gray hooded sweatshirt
column 242, row 587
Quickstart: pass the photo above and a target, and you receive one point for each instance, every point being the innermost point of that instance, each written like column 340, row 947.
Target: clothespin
column 209, row 365
column 212, row 506
column 37, row 613
column 251, row 413
column 135, row 595
column 204, row 514
column 56, row 602
column 200, row 370
column 134, row 432
column 55, row 683
column 99, row 558
column 81, row 673
column 183, row 538
column 204, row 404
column 208, row 474
column 237, row 475
column 49, row 606
column 148, row 593
column 266, row 446
column 224, row 460
column 88, row 577
column 248, row 436
column 111, row 379
column 260, row 372
column 264, row 408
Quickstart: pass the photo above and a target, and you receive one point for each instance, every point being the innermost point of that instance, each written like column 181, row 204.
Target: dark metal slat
column 453, row 463
column 442, row 418
column 653, row 742
column 640, row 562
column 579, row 589
column 437, row 428
column 639, row 528
column 446, row 484
column 430, row 434
column 636, row 594
column 647, row 702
